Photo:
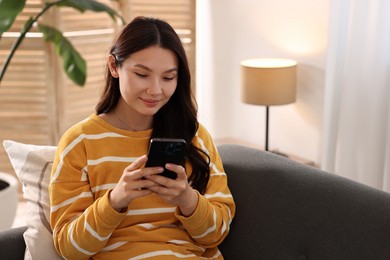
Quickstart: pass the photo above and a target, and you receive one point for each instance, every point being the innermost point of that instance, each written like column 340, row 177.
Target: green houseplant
column 38, row 100
column 73, row 63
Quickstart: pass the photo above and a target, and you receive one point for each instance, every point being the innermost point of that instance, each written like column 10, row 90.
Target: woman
column 104, row 202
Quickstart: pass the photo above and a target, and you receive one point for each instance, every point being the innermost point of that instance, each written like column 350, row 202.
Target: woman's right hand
column 133, row 184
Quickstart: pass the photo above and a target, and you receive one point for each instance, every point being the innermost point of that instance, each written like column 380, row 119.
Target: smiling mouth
column 150, row 101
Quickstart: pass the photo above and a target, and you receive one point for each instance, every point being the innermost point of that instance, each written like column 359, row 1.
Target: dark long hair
column 177, row 118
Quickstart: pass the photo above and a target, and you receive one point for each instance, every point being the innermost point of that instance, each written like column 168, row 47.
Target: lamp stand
column 266, row 126
column 267, row 133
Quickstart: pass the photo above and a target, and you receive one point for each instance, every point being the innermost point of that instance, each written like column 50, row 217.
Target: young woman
column 105, row 204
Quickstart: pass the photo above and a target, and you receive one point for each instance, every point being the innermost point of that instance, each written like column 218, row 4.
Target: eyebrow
column 149, row 69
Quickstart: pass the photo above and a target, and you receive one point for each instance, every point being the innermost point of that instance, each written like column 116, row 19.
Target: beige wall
column 233, row 30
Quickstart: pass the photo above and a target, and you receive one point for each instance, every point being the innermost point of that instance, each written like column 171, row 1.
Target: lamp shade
column 268, row 81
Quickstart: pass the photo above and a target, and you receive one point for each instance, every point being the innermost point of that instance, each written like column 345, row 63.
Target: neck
column 131, row 124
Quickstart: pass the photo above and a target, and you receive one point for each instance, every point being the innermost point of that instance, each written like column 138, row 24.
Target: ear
column 112, row 66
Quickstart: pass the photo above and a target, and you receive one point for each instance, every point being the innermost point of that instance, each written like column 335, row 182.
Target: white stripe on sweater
column 211, row 229
column 73, row 242
column 112, row 159
column 74, row 143
column 93, row 232
column 106, row 186
column 114, row 246
column 201, row 143
column 161, row 253
column 218, row 195
column 150, row 211
column 71, row 200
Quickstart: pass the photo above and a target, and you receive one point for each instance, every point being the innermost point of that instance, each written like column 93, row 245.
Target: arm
column 81, row 224
column 209, row 223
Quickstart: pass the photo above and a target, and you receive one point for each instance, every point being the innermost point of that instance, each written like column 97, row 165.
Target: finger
column 145, row 184
column 161, row 180
column 137, row 163
column 181, row 172
column 149, row 171
column 159, row 189
column 132, row 177
column 141, row 193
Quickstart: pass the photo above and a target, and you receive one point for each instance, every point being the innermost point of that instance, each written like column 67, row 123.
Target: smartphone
column 166, row 150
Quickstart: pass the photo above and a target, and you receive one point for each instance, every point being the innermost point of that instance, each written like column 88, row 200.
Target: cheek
column 126, row 89
column 170, row 89
column 130, row 85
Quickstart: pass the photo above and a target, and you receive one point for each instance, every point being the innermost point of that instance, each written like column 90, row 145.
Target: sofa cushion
column 32, row 165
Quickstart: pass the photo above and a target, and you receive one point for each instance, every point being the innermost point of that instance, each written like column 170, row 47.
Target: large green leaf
column 74, row 65
column 9, row 9
column 92, row 5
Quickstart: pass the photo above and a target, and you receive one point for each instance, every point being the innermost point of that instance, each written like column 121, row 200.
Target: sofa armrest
column 12, row 245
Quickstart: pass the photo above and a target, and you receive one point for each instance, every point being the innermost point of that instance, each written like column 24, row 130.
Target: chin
column 150, row 112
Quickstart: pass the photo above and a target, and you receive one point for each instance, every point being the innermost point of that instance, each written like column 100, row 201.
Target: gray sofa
column 287, row 210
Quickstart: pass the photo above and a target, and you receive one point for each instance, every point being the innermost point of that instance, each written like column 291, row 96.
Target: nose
column 154, row 88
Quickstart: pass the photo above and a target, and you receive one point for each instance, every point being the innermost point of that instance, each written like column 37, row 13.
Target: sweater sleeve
column 210, row 222
column 81, row 225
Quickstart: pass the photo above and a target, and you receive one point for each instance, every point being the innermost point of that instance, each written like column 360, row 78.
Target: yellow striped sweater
column 90, row 160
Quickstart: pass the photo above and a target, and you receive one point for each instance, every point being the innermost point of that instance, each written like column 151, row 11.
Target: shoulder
column 77, row 129
column 202, row 131
column 203, row 139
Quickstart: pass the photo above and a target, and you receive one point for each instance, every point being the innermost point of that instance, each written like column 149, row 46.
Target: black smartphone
column 166, row 150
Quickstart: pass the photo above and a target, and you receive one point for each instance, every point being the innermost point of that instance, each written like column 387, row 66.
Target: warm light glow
column 298, row 27
column 268, row 63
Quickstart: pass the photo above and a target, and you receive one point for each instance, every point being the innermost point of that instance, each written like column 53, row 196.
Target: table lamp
column 268, row 82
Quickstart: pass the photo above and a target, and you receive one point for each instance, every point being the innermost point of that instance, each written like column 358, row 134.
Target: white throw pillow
column 32, row 165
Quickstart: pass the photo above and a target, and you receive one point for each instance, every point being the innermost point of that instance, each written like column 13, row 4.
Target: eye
column 141, row 75
column 170, row 77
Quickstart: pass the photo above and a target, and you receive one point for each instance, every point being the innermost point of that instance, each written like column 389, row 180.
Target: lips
column 150, row 102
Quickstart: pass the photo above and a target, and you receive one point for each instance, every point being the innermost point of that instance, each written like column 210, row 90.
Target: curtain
column 356, row 140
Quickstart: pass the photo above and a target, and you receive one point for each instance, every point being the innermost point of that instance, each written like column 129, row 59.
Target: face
column 148, row 79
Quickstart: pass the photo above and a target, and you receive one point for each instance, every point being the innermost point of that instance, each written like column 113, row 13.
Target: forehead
column 154, row 57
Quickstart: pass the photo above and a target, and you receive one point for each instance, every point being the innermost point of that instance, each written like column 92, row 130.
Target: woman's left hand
column 176, row 192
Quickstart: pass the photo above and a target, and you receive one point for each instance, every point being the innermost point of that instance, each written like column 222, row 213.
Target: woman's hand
column 133, row 184
column 176, row 192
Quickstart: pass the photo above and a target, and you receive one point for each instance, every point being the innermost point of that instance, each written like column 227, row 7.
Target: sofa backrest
column 287, row 210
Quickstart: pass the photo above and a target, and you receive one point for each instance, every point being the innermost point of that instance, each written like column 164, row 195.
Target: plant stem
column 24, row 31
